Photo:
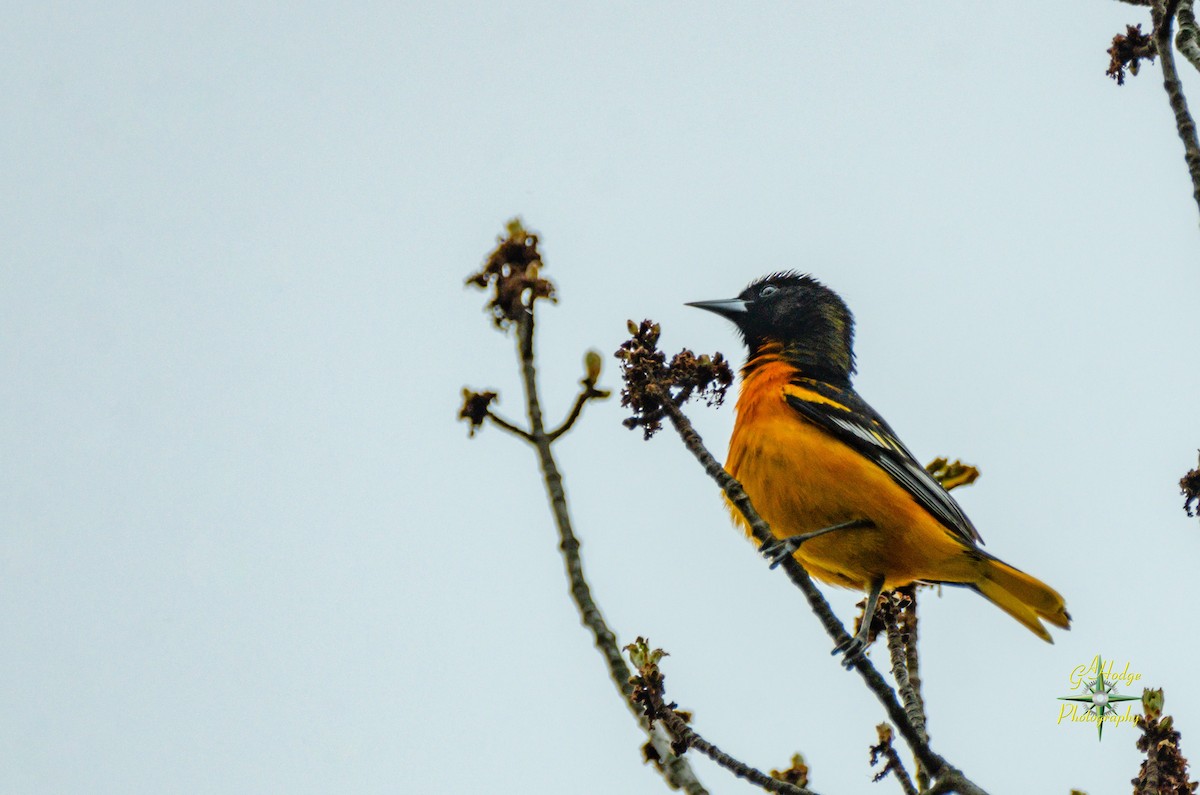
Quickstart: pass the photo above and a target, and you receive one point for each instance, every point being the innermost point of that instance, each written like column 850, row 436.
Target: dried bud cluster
column 892, row 606
column 952, row 475
column 1189, row 487
column 512, row 271
column 648, row 687
column 796, row 775
column 475, row 407
column 1127, row 51
column 649, row 380
column 885, row 751
column 1164, row 771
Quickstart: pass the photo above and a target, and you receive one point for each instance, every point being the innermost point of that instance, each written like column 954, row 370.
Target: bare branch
column 675, row 769
column 907, row 621
column 900, row 647
column 896, row 649
column 576, row 410
column 1163, row 13
column 1188, row 38
column 508, row 426
column 887, row 752
column 511, row 272
column 589, row 392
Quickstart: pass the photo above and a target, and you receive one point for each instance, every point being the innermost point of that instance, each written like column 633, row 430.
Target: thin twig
column 589, row 392
column 649, row 693
column 896, row 768
column 898, row 649
column 508, row 426
column 1163, row 14
column 1188, row 38
column 908, row 619
column 685, row 734
column 937, row 766
column 912, row 665
column 895, row 644
column 893, row 764
column 676, row 770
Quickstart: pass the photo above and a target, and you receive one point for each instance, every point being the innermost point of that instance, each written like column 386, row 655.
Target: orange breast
column 802, row 479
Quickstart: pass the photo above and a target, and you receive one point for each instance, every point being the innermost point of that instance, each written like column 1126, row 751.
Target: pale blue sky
column 246, row 548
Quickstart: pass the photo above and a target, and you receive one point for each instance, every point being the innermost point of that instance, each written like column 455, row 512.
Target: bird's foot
column 776, row 551
column 852, row 649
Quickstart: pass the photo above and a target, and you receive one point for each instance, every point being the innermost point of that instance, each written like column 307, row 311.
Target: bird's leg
column 855, row 646
column 776, row 551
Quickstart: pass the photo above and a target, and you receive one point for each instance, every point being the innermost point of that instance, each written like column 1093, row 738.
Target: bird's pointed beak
column 732, row 308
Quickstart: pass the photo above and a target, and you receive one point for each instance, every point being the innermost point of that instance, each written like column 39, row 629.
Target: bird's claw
column 852, row 649
column 776, row 551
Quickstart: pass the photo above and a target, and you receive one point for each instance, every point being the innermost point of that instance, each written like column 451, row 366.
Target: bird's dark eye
column 769, row 290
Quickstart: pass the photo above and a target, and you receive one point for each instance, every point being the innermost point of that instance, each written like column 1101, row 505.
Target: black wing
column 847, row 417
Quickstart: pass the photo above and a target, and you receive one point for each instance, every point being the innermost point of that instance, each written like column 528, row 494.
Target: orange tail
column 1025, row 598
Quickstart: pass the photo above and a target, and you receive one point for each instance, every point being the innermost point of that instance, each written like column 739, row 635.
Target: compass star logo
column 1100, row 695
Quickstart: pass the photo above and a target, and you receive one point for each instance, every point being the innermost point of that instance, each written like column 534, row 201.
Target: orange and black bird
column 828, row 474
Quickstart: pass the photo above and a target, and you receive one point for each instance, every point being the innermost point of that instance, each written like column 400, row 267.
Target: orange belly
column 802, row 479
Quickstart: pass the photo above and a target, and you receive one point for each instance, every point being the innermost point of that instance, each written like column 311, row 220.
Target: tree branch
column 589, row 392
column 508, row 426
column 893, row 765
column 648, row 690
column 1188, row 38
column 912, row 665
column 1163, row 14
column 912, row 662
column 899, row 647
column 688, row 736
column 676, row 770
column 511, row 273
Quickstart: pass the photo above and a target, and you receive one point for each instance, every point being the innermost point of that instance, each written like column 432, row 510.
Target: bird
column 840, row 491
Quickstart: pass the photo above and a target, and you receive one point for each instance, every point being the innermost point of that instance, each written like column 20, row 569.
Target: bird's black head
column 810, row 323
